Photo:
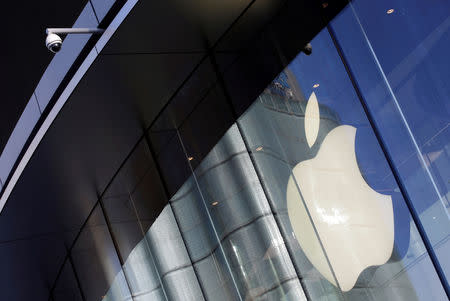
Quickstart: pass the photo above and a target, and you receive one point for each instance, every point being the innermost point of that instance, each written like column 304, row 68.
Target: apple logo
column 340, row 222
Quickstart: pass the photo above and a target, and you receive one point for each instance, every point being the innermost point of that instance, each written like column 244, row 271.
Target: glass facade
column 399, row 65
column 333, row 184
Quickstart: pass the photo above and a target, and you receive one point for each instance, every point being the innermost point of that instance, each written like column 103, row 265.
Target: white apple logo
column 354, row 223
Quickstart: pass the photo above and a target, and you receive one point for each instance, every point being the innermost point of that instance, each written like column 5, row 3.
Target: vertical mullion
column 70, row 260
column 116, row 245
column 167, row 194
column 149, row 249
column 395, row 172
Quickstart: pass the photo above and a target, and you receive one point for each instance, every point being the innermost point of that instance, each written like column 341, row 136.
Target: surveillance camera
column 53, row 42
column 307, row 49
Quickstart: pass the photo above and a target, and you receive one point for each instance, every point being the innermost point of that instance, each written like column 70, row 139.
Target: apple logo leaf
column 312, row 120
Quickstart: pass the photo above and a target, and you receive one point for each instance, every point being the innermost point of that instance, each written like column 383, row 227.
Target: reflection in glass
column 343, row 207
column 142, row 274
column 400, row 63
column 297, row 200
column 96, row 263
column 171, row 258
column 351, row 225
column 242, row 222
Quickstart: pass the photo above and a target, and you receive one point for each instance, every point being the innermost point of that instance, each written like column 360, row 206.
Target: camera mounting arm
column 54, row 41
column 73, row 30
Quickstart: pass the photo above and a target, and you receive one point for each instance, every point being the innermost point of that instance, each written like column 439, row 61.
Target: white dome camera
column 53, row 42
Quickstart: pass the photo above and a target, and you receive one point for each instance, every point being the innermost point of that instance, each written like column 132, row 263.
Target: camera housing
column 307, row 49
column 53, row 42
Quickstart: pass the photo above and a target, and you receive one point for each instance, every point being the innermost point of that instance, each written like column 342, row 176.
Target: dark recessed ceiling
column 24, row 56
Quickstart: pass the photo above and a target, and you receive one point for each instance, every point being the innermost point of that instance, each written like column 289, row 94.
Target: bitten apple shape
column 354, row 223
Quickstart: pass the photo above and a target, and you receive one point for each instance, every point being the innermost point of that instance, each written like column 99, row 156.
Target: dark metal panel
column 88, row 141
column 265, row 38
column 277, row 37
column 23, row 52
column 28, row 266
column 174, row 25
column 68, row 287
column 207, row 123
column 84, row 147
column 149, row 80
column 182, row 104
column 134, row 199
column 174, row 165
column 18, row 138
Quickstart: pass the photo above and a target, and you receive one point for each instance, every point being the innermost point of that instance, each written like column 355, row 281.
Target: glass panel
column 331, row 188
column 215, row 277
column 398, row 53
column 229, row 228
column 142, row 274
column 172, row 258
column 133, row 199
column 96, row 262
column 131, row 203
column 158, row 268
column 296, row 200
